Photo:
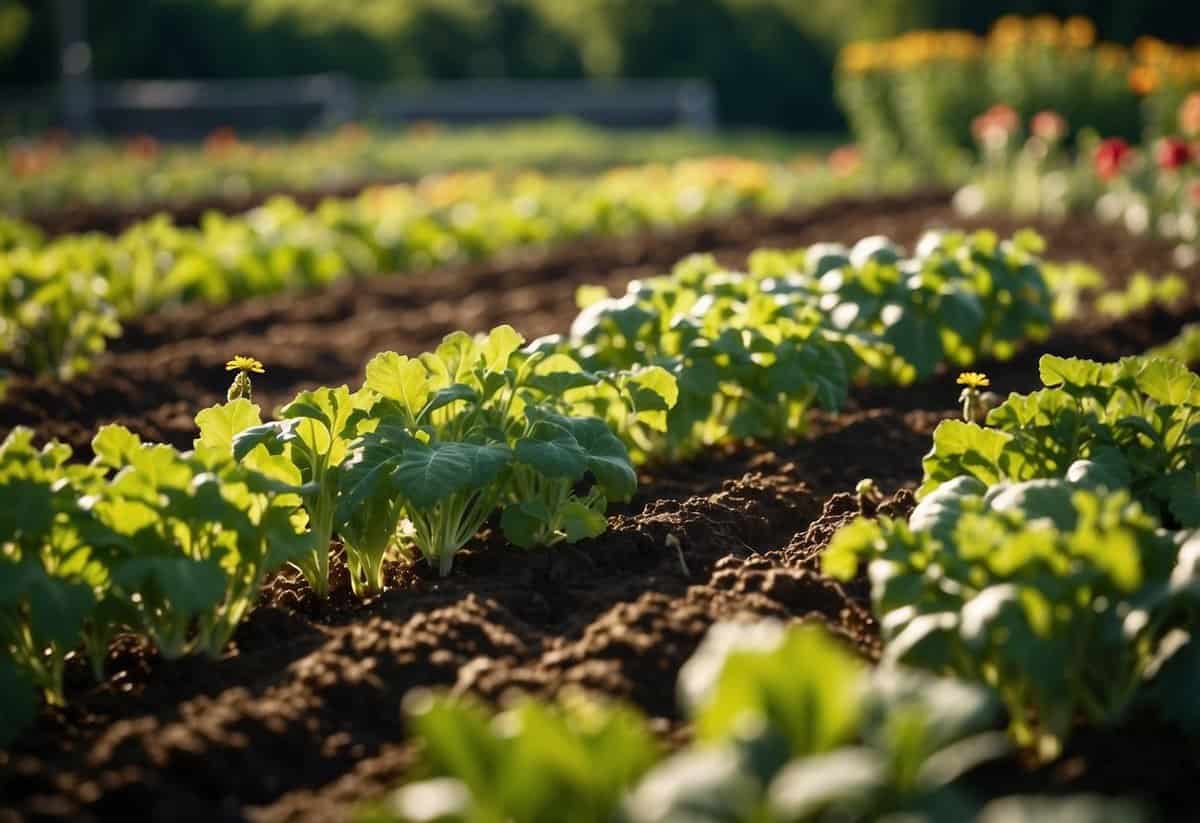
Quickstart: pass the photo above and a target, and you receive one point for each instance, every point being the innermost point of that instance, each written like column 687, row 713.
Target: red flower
column 1172, row 153
column 1111, row 156
column 1048, row 125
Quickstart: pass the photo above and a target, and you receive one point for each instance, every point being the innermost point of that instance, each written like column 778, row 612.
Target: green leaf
column 551, row 449
column 961, row 448
column 841, row 559
column 219, row 425
column 524, row 523
column 826, row 783
column 114, row 445
column 28, row 510
column 499, row 347
column 367, row 472
column 285, row 544
column 401, row 379
column 938, row 512
column 444, row 397
column 429, row 473
column 249, row 439
column 580, row 522
column 654, row 392
column 739, row 681
column 191, row 587
column 607, row 458
column 1069, row 371
column 1168, row 382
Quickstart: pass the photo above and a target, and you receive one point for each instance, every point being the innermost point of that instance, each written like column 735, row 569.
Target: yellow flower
column 1080, row 32
column 1143, row 79
column 244, row 364
column 974, row 380
column 860, row 57
column 1046, row 29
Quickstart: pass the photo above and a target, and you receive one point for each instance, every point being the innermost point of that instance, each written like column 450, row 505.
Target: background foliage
column 771, row 61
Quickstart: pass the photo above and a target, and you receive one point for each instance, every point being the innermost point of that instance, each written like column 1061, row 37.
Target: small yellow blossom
column 245, row 364
column 974, row 380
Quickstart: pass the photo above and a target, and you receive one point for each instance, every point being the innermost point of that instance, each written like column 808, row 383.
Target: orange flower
column 1048, row 125
column 221, row 141
column 1189, row 115
column 845, row 160
column 995, row 126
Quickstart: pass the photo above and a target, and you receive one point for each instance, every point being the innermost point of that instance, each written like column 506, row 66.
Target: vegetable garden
column 715, row 490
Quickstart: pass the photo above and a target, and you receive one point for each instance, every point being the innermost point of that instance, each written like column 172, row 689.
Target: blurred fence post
column 75, row 64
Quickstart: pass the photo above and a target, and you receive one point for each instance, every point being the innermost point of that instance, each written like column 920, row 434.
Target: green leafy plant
column 1135, row 418
column 531, row 762
column 50, row 578
column 314, row 435
column 1026, row 587
column 791, row 727
column 198, row 532
column 472, row 427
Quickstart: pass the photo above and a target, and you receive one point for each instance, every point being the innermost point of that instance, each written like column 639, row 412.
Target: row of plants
column 1053, row 556
column 61, row 300
column 51, row 172
column 173, row 546
column 789, row 726
column 917, row 94
column 1048, row 579
column 752, row 351
column 1151, row 187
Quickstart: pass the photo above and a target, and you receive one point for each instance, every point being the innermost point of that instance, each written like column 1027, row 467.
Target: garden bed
column 304, row 720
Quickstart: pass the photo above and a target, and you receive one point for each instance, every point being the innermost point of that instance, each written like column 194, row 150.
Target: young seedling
column 244, row 366
column 972, row 398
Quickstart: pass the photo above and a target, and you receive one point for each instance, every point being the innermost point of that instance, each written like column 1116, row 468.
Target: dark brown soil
column 88, row 218
column 302, row 719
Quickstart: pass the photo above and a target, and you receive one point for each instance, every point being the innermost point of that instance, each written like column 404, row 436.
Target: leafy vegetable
column 530, row 763
column 1025, row 587
column 475, row 426
column 1135, row 418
